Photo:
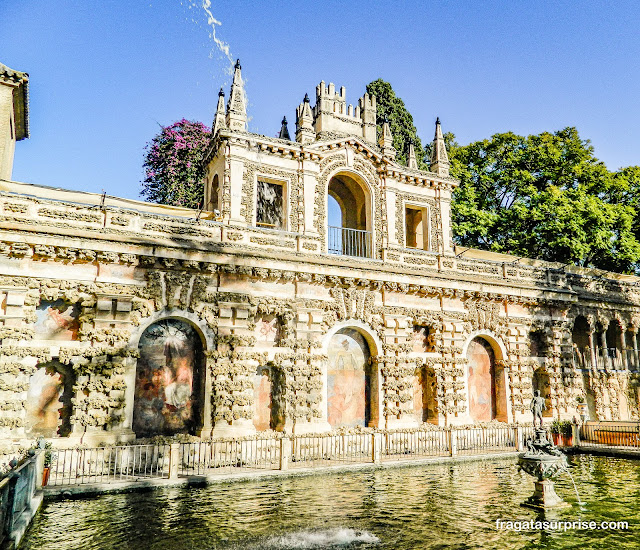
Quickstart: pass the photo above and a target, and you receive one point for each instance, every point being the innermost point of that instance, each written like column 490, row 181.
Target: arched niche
column 542, row 383
column 352, row 381
column 169, row 384
column 580, row 336
column 263, row 411
column 424, row 395
column 48, row 406
column 486, row 379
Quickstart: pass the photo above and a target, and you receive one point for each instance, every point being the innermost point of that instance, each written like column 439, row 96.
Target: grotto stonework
column 121, row 318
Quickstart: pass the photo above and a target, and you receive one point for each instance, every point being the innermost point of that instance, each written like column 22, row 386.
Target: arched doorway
column 486, row 382
column 169, row 388
column 351, row 389
column 349, row 207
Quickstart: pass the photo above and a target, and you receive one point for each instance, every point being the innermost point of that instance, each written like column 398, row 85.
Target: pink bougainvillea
column 173, row 164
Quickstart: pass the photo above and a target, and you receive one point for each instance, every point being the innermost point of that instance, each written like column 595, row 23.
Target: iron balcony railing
column 349, row 242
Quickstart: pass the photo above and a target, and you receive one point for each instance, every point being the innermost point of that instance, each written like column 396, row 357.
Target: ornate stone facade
column 102, row 300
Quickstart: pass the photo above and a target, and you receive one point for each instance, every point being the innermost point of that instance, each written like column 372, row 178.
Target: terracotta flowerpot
column 567, row 441
column 45, row 476
column 556, row 438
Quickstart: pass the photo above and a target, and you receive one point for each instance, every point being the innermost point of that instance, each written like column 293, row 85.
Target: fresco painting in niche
column 424, row 403
column 167, row 393
column 418, row 395
column 422, row 339
column 267, row 331
column 262, row 400
column 48, row 403
column 57, row 320
column 347, row 391
column 481, row 359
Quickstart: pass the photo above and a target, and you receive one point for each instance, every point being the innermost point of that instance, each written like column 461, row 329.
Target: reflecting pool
column 419, row 507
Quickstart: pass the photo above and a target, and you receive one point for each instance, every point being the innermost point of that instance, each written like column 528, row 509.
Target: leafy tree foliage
column 546, row 196
column 400, row 121
column 173, row 164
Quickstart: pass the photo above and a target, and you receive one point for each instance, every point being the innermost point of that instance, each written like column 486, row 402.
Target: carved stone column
column 623, row 344
column 603, row 345
column 592, row 347
column 634, row 336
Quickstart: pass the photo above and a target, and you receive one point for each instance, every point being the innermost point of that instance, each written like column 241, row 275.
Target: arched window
column 352, row 236
column 215, row 191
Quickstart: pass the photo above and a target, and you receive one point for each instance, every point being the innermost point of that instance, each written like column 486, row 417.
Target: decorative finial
column 221, row 92
column 284, row 130
column 437, row 121
column 238, row 64
column 306, row 98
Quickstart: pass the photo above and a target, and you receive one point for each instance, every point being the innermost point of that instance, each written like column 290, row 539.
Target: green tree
column 545, row 196
column 173, row 164
column 400, row 121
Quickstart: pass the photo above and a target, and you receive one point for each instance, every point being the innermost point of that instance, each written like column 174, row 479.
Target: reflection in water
column 422, row 507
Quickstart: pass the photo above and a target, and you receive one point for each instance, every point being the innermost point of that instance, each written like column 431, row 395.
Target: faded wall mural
column 262, row 400
column 422, row 339
column 487, row 386
column 267, row 331
column 481, row 358
column 48, row 403
column 348, row 382
column 57, row 320
column 424, row 403
column 168, row 393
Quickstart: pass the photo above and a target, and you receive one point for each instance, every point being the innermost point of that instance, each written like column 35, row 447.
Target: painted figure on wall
column 481, row 389
column 57, row 320
column 267, row 331
column 168, row 386
column 48, row 403
column 422, row 339
column 262, row 400
column 348, row 385
column 424, row 389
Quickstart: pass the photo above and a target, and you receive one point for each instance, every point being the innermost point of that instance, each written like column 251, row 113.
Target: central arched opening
column 487, row 384
column 349, row 207
column 169, row 389
column 351, row 388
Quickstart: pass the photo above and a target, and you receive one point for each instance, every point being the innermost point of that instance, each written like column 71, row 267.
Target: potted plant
column 48, row 459
column 555, row 428
column 566, row 430
column 581, row 405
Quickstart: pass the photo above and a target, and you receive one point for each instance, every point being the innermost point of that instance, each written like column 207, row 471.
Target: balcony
column 606, row 359
column 349, row 242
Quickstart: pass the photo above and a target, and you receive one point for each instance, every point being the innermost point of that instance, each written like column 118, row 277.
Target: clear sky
column 104, row 74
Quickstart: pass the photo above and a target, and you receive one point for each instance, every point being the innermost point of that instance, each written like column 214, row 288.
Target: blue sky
column 105, row 74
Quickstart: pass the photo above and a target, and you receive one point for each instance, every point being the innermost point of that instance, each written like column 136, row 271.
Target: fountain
column 542, row 460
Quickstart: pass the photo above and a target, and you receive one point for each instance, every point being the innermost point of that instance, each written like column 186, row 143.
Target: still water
column 418, row 507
